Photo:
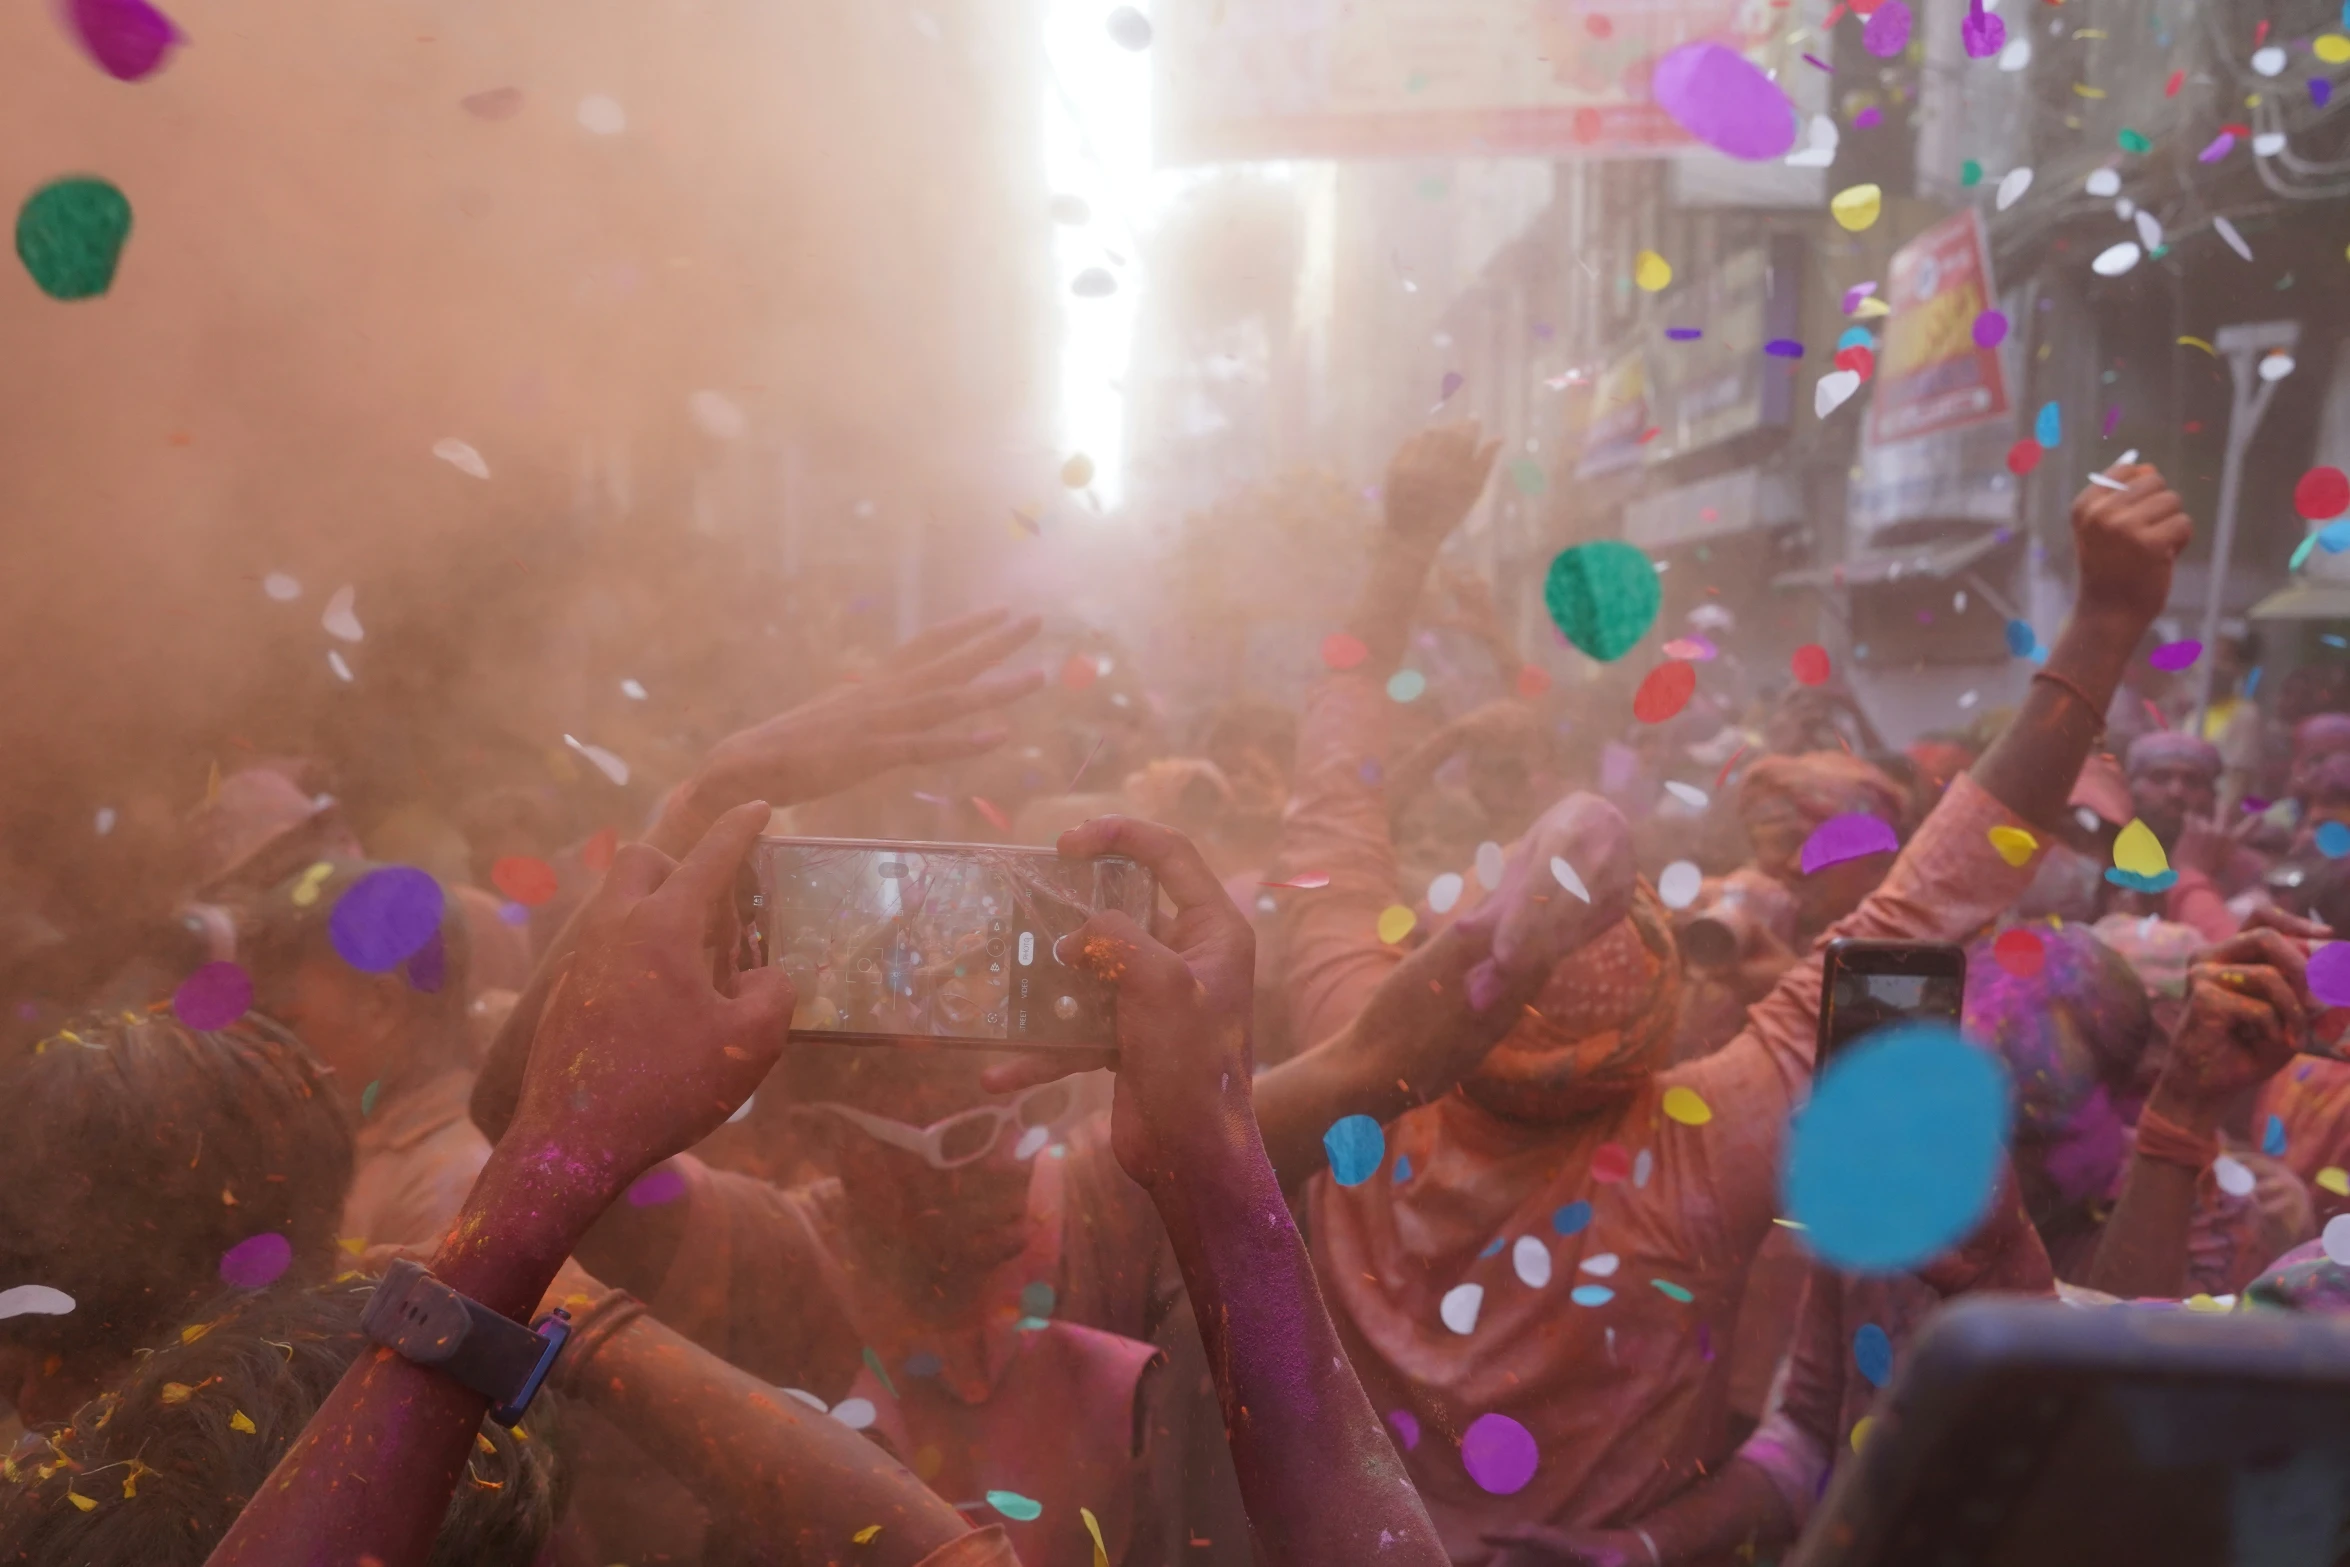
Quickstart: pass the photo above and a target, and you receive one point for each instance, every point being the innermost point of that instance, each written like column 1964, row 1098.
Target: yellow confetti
column 1686, row 1106
column 194, row 1331
column 177, row 1393
column 2087, row 91
column 78, row 1500
column 2138, row 851
column 865, row 1535
column 2015, row 845
column 2335, row 1179
column 1652, row 272
column 2202, row 1303
column 1871, row 308
column 2332, row 48
column 305, row 891
column 354, row 1244
column 1101, row 1552
column 1861, row 1429
column 238, row 1420
column 130, row 1486
column 2196, row 342
column 1395, row 923
column 1857, row 206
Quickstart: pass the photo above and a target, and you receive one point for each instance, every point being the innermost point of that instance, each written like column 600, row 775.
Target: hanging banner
column 1931, row 373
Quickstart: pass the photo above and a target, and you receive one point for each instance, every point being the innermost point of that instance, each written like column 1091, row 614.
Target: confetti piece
column 1686, row 1106
column 1684, row 334
column 2275, row 366
column 1643, row 1167
column 1077, row 472
column 1982, row 32
column 2321, row 494
column 256, row 1261
column 1610, row 1163
column 1810, row 664
column 1530, row 1260
column 2332, row 1178
column 2333, row 839
column 2233, row 1176
column 612, row 767
column 1783, row 348
column 238, row 1420
column 70, row 234
column 855, row 1413
column 33, row 1300
column 1861, row 1429
column 1101, row 1552
column 1887, row 32
column 1897, row 1155
column 2020, row 952
column 2269, row 61
column 1491, row 865
column 1720, row 97
column 461, row 457
column 129, row 39
column 1672, row 1291
column 1395, row 923
column 1860, row 359
column 2171, row 657
column 1018, row 1508
column 2021, row 639
column 2104, row 482
column 1445, row 891
column 1129, row 29
column 601, row 115
column 2116, row 260
column 1970, row 173
column 1460, row 1306
column 80, row 1501
column 2329, row 974
column 1652, row 272
column 340, row 619
column 2138, row 851
column 1591, row 1294
column 1680, row 884
column 385, row 918
column 2332, row 48
column 1688, row 794
column 498, row 103
column 2218, row 147
column 1850, row 836
column 2272, row 1138
column 1872, row 1354
column 1990, row 329
column 2015, row 845
column 1603, row 597
column 1499, row 1454
column 2265, row 145
column 526, row 879
column 2149, row 230
column 1406, row 685
column 215, row 996
column 657, row 1188
column 2103, row 182
column 1341, row 651
column 1357, row 1147
column 1572, row 1219
column 2048, row 426
column 2012, row 187
column 1664, row 691
column 1564, row 874
column 2024, row 456
column 1834, row 390
column 1403, row 1168
column 1407, row 1427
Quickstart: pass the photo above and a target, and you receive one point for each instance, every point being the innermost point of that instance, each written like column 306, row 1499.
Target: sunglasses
column 967, row 1136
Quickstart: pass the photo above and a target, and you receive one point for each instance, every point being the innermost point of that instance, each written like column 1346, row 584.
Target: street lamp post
column 2245, row 346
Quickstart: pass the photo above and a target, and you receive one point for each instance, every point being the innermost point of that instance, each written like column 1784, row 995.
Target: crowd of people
column 824, row 1302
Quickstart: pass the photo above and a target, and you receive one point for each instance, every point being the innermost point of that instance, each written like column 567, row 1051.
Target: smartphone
column 2033, row 1434
column 941, row 943
column 1868, row 985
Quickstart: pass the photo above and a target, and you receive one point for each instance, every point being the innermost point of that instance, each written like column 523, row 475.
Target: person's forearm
column 497, row 1088
column 784, row 1471
column 1382, row 616
column 2142, row 1252
column 1318, row 1476
column 2031, row 767
column 1739, row 1507
column 372, row 1473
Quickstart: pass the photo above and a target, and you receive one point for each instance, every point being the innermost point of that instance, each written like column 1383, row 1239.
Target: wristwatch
column 425, row 1321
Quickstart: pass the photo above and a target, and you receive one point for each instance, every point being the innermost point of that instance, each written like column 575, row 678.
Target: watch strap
column 425, row 1321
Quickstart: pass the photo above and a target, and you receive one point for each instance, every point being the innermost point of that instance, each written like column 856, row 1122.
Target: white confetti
column 809, row 1399
column 2087, row 818
column 1833, row 391
column 1445, row 891
column 632, row 690
column 605, row 762
column 1602, row 1266
column 2276, row 366
column 602, row 116
column 1688, row 794
column 855, row 1413
column 2235, row 241
column 2012, row 187
column 2269, row 61
column 742, row 1112
column 461, row 457
column 2111, row 484
column 1680, row 884
column 2104, row 182
column 1532, row 1260
column 1968, row 699
column 717, row 415
column 1958, row 601
column 281, row 587
column 2233, row 1175
column 1460, row 1306
column 2268, row 144
column 1490, row 865
column 106, row 820
column 2128, row 457
column 33, row 1300
column 1819, row 149
column 2149, row 230
column 1032, row 1142
column 341, row 620
column 1565, row 875
column 2125, row 209
column 2017, row 54
column 1643, row 1166
column 2335, row 1240
column 334, row 661
column 2117, row 260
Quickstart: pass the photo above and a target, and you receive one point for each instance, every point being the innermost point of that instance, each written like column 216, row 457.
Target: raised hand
column 1434, row 478
column 2127, row 540
column 1534, row 918
column 2248, row 1010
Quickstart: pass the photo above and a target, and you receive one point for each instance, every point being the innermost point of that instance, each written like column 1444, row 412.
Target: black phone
column 940, row 943
column 2034, row 1434
column 1868, row 985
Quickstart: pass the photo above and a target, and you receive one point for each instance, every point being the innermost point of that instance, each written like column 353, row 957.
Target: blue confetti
column 2021, row 639
column 1403, row 1168
column 2321, row 91
column 1591, row 1295
column 2048, row 429
column 2163, row 882
column 386, row 918
column 1783, row 348
column 2333, row 839
column 1855, row 337
column 1897, row 1156
column 1872, row 1354
column 1684, row 334
column 2334, row 537
column 1493, row 1250
column 2272, row 1138
column 2331, row 640
column 1573, row 1219
column 1037, row 1298
column 2252, row 681
column 1357, row 1147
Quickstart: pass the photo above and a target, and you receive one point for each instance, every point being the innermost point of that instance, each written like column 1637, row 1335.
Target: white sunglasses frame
column 929, row 1141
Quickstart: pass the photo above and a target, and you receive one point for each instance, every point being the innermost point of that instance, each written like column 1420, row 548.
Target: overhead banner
column 1932, row 375
column 1249, row 80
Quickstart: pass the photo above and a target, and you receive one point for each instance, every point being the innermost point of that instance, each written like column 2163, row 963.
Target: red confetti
column 596, row 854
column 1723, row 776
column 525, row 878
column 1599, row 27
column 2024, row 456
column 992, row 811
column 1079, row 672
column 1859, row 360
column 2021, row 953
column 1533, row 680
column 1665, row 692
column 2178, row 79
column 1587, row 125
column 1810, row 664
column 1610, row 1163
column 1865, row 8
column 2323, row 493
column 1341, row 651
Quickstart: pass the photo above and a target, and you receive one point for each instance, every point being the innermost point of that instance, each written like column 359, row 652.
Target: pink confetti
column 1499, row 1454
column 1855, row 294
column 256, row 1261
column 1407, row 1427
column 2221, row 145
column 2172, row 657
column 1991, row 329
column 2329, row 974
column 656, row 1188
column 1694, row 649
column 1868, row 119
column 129, row 39
column 2113, row 419
column 1724, row 100
column 215, row 996
column 1847, row 837
column 1983, row 33
column 1887, row 33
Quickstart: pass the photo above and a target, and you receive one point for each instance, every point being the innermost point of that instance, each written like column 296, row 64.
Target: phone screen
column 1869, row 988
column 940, row 941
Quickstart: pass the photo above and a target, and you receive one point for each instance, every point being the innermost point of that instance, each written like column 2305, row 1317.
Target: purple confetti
column 1450, row 385
column 1684, row 334
column 257, row 1260
column 2221, row 145
column 1846, row 837
column 1407, row 1427
column 2329, row 973
column 656, row 1187
column 128, row 38
column 2113, row 418
column 2172, row 657
column 1499, row 1454
column 1724, row 100
column 1783, row 348
column 512, row 913
column 215, row 996
column 1855, row 294
column 2321, row 91
column 428, row 965
column 1887, row 33
column 1813, row 59
column 1991, row 329
column 1983, row 33
column 1868, row 119
column 386, row 918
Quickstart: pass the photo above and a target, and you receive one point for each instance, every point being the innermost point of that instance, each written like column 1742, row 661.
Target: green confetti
column 2131, row 141
column 1018, row 1508
column 2301, row 553
column 367, row 1097
column 1528, row 476
column 1603, row 596
column 879, row 1370
column 1037, row 1298
column 70, row 233
column 1970, row 173
column 1670, row 1290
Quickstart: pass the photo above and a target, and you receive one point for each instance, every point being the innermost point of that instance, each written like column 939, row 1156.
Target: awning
column 1936, row 558
column 2306, row 600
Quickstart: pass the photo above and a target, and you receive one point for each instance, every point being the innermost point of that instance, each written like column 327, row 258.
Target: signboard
column 1931, row 376
column 1241, row 80
column 1721, row 385
column 1619, row 418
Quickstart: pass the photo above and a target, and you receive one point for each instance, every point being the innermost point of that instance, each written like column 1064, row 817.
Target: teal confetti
column 70, row 235
column 1356, row 1145
column 873, row 1362
column 1672, row 1291
column 1018, row 1508
column 2048, row 429
column 1037, row 1298
column 367, row 1097
column 1603, row 597
column 1591, row 1295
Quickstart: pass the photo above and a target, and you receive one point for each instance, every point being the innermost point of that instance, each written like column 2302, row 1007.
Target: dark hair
column 164, row 1463
column 135, row 1151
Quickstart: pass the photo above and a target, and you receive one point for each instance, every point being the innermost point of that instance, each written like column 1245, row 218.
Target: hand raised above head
column 1435, row 477
column 2247, row 1012
column 2127, row 540
column 1535, row 917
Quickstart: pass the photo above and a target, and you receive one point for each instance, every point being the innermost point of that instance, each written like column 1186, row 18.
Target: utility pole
column 2245, row 346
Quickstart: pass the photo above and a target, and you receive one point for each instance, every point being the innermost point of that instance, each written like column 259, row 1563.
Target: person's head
column 159, row 1470
column 258, row 829
column 1801, row 721
column 371, row 1027
column 134, row 1155
column 1254, row 741
column 2074, row 1036
column 2173, row 775
column 2315, row 739
column 958, row 1202
column 1784, row 799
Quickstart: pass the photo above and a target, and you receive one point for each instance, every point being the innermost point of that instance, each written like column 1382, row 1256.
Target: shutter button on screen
column 1027, row 948
column 1065, row 1008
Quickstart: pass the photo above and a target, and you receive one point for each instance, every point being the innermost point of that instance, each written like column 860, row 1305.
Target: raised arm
column 649, row 1042
column 1319, row 1478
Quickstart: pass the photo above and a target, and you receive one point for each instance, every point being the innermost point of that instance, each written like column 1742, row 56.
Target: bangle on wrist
column 2162, row 1139
column 1655, row 1557
column 2066, row 684
column 593, row 1325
